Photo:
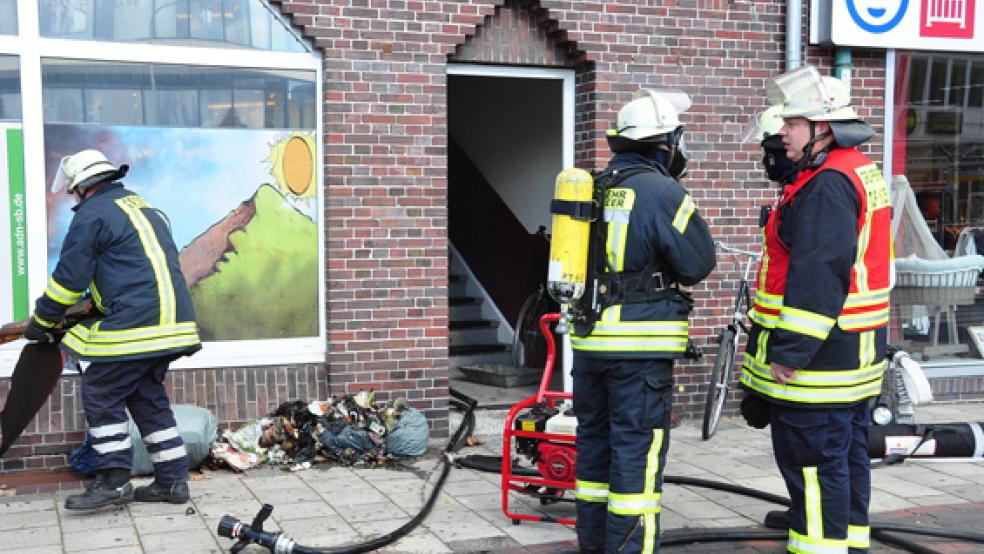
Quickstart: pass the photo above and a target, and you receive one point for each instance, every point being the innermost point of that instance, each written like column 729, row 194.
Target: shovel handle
column 75, row 313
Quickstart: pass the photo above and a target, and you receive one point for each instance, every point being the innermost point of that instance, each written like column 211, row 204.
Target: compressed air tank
column 567, row 271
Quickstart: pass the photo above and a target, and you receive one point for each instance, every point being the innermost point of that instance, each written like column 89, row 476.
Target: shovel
column 35, row 375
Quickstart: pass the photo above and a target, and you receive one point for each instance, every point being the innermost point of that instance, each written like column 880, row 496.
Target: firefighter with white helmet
column 764, row 130
column 816, row 352
column 119, row 250
column 631, row 323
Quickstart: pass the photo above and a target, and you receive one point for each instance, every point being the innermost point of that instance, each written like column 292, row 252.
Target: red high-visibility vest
column 866, row 306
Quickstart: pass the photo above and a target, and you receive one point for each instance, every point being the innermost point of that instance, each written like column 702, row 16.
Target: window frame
column 31, row 48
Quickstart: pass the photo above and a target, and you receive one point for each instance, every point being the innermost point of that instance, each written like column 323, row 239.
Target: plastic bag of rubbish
column 198, row 429
column 409, row 437
column 357, row 439
column 247, row 437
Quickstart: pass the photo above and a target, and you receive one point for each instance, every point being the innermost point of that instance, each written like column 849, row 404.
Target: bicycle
column 529, row 348
column 728, row 343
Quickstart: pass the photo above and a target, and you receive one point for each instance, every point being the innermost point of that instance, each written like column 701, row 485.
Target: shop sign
column 943, row 123
column 13, row 247
column 954, row 25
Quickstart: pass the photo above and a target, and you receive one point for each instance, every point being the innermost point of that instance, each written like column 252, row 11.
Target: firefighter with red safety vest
column 648, row 238
column 816, row 352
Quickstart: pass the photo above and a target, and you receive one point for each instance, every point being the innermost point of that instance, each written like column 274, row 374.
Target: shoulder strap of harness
column 606, row 287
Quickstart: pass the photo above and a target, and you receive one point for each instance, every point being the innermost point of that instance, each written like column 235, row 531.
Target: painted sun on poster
column 242, row 205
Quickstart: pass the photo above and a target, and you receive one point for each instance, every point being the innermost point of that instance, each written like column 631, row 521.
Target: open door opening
column 510, row 132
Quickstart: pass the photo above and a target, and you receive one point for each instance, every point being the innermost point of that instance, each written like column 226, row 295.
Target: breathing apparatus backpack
column 580, row 276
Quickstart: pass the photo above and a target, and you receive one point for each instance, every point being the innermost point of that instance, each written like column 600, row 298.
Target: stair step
column 499, row 357
column 463, row 300
column 469, row 349
column 471, row 324
column 457, row 278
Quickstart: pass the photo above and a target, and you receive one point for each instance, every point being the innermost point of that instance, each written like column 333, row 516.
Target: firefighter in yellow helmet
column 816, row 351
column 119, row 250
column 632, row 324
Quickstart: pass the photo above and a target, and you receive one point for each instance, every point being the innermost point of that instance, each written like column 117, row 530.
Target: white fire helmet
column 651, row 113
column 805, row 93
column 764, row 124
column 83, row 169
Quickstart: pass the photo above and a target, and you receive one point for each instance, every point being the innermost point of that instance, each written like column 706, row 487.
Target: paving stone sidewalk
column 330, row 506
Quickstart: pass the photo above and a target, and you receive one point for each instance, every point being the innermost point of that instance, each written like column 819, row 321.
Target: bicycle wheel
column 528, row 346
column 717, row 390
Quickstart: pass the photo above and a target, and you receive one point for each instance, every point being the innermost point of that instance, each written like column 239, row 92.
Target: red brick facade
column 385, row 144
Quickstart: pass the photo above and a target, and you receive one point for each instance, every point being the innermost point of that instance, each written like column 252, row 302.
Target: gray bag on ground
column 198, row 428
column 409, row 438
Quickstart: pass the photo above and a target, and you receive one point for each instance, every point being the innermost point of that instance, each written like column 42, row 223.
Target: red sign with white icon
column 947, row 18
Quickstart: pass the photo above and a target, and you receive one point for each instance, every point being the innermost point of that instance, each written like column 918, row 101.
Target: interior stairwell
column 479, row 333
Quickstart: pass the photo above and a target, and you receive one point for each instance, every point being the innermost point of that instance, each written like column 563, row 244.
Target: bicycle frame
column 743, row 299
column 729, row 342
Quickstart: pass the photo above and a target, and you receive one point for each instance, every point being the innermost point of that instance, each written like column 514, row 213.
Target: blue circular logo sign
column 877, row 16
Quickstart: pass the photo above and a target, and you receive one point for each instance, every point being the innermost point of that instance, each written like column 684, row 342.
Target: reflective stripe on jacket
column 120, row 249
column 650, row 217
column 823, row 286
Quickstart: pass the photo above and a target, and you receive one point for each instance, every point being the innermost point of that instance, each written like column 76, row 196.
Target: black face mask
column 778, row 166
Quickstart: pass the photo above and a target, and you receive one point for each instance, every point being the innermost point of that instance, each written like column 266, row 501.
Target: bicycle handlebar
column 735, row 250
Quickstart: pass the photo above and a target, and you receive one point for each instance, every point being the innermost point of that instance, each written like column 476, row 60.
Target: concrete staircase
column 478, row 332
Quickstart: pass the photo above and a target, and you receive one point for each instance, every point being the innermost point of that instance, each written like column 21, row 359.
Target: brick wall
column 386, row 131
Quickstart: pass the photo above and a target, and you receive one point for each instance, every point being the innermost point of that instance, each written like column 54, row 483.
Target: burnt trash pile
column 350, row 430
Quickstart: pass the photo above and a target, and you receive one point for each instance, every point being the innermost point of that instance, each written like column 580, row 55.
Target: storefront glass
column 8, row 17
column 228, row 154
column 10, row 97
column 938, row 147
column 238, row 23
column 115, row 93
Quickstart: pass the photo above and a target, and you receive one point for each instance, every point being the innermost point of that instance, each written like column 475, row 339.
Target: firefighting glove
column 755, row 410
column 35, row 332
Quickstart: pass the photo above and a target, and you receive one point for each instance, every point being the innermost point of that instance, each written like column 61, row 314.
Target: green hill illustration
column 254, row 274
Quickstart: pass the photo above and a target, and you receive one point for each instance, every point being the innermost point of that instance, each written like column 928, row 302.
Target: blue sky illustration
column 195, row 176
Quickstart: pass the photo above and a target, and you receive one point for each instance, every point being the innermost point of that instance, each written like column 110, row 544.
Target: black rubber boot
column 175, row 493
column 111, row 487
column 777, row 519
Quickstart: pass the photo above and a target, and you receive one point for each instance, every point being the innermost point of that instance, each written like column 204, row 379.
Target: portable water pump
column 545, row 436
column 554, row 459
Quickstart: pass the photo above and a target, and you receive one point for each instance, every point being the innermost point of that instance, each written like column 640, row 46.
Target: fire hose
column 883, row 532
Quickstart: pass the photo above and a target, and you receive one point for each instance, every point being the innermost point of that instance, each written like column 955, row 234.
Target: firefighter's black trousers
column 823, row 457
column 109, row 389
column 623, row 415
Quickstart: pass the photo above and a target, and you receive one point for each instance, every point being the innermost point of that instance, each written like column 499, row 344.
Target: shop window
column 176, row 96
column 10, row 97
column 975, row 96
column 238, row 23
column 939, row 80
column 8, row 17
column 939, row 149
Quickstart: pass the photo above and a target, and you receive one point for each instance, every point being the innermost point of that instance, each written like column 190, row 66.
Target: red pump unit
column 545, row 436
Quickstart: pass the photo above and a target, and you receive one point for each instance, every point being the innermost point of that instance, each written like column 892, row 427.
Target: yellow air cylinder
column 567, row 271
